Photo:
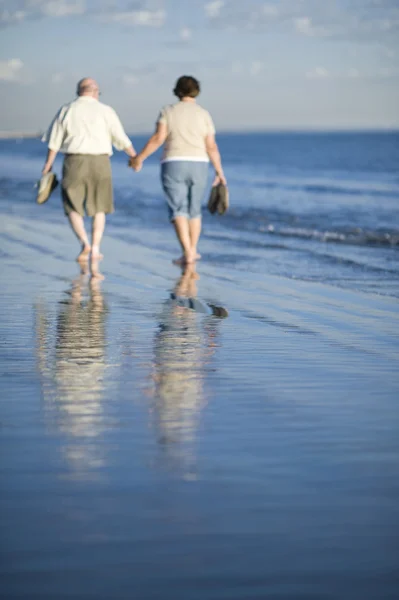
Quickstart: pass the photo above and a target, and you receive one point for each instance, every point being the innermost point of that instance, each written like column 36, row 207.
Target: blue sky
column 263, row 64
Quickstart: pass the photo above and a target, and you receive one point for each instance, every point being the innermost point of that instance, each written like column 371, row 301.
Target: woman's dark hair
column 187, row 86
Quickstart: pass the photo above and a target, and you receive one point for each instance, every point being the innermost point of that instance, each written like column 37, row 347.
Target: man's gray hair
column 85, row 85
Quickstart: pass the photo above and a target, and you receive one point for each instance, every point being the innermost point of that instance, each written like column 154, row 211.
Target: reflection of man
column 85, row 131
column 74, row 373
column 80, row 352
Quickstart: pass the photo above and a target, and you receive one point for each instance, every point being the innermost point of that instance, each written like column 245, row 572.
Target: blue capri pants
column 184, row 183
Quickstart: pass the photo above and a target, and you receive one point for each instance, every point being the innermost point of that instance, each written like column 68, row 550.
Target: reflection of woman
column 183, row 345
column 189, row 136
column 178, row 374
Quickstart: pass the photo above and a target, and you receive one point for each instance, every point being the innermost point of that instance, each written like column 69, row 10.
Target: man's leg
column 97, row 232
column 195, row 232
column 183, row 235
column 98, row 226
column 77, row 223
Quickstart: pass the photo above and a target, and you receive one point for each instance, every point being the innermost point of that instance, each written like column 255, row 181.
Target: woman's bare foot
column 188, row 258
column 196, row 253
column 84, row 254
column 179, row 261
column 97, row 275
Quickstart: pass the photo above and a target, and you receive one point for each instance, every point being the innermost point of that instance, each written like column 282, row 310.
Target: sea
column 311, row 206
column 230, row 432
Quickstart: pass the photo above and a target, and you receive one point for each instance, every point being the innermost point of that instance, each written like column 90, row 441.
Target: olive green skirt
column 87, row 184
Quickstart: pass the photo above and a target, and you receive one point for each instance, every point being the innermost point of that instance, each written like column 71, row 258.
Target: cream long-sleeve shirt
column 86, row 126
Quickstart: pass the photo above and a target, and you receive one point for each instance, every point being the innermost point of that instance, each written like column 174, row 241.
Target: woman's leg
column 174, row 183
column 194, row 226
column 181, row 225
column 199, row 180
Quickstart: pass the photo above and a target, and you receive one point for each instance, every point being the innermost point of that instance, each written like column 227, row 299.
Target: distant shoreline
column 17, row 135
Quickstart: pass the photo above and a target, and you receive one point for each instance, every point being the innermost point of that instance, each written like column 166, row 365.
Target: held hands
column 136, row 163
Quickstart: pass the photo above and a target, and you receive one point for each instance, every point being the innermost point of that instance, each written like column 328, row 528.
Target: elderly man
column 85, row 131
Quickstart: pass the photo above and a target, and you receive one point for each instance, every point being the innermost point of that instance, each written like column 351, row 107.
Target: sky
column 262, row 64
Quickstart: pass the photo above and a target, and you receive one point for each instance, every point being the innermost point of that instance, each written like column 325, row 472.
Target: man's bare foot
column 94, row 270
column 84, row 254
column 84, row 267
column 95, row 292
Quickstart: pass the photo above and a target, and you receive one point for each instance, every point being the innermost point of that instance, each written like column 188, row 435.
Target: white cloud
column 140, row 12
column 353, row 73
column 214, row 8
column 185, row 34
column 304, row 25
column 317, row 73
column 388, row 72
column 339, row 19
column 255, row 68
column 129, row 79
column 388, row 52
column 236, row 14
column 63, row 8
column 148, row 18
column 236, row 67
column 15, row 12
column 57, row 78
column 9, row 17
column 270, row 10
column 10, row 69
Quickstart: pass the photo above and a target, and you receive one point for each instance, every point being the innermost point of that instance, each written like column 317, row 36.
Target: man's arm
column 54, row 137
column 118, row 136
column 155, row 142
column 48, row 165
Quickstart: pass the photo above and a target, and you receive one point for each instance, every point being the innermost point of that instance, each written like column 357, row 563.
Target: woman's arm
column 214, row 156
column 155, row 142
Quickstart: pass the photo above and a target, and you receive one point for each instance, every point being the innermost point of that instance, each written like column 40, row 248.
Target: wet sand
column 155, row 447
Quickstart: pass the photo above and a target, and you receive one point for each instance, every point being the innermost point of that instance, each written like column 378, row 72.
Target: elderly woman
column 188, row 133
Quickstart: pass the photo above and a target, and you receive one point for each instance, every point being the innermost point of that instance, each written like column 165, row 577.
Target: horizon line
column 14, row 134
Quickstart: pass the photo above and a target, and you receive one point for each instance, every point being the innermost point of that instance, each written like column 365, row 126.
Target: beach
column 230, row 435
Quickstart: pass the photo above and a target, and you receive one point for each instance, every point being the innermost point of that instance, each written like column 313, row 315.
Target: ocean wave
column 321, row 188
column 357, row 237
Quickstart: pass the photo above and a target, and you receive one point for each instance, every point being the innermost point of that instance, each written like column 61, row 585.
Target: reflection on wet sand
column 73, row 371
column 183, row 345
